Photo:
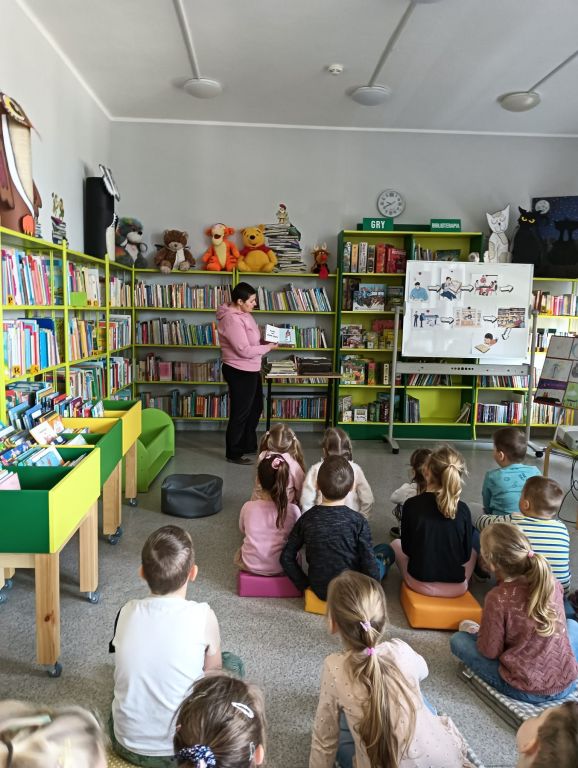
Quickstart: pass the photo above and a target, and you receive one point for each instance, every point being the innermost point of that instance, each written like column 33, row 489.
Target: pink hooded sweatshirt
column 239, row 336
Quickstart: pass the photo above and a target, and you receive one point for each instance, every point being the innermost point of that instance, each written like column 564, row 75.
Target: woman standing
column 241, row 352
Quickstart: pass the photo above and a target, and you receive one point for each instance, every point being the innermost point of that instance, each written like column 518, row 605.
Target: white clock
column 542, row 206
column 390, row 203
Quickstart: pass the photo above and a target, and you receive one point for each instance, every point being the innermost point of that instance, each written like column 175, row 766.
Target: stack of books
column 152, row 368
column 176, row 332
column 411, row 410
column 293, row 299
column 82, row 341
column 373, row 259
column 120, row 292
column 189, row 405
column 298, row 407
column 180, row 295
column 29, row 343
column 284, row 240
column 506, row 412
column 281, row 368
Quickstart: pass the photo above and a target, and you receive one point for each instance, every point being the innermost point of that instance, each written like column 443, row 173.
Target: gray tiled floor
column 283, row 647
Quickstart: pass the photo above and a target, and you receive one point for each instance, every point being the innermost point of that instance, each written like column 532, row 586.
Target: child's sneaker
column 395, row 532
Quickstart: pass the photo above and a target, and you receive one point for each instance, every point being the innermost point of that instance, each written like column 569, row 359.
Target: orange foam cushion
column 313, row 604
column 426, row 612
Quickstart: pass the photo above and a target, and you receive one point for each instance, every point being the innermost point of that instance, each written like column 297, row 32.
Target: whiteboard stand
column 464, row 369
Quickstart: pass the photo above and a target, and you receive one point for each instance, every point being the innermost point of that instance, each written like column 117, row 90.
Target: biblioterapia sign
column 445, row 225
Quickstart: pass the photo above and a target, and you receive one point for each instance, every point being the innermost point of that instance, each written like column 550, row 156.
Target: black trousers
column 245, row 409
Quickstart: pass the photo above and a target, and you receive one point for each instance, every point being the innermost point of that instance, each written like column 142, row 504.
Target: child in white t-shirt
column 163, row 643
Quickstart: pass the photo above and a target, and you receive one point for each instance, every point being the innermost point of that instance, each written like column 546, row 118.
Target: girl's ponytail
column 505, row 547
column 446, row 467
column 273, row 474
column 356, row 604
column 281, row 439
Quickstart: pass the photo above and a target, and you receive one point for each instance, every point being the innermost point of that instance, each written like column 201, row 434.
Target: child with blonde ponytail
column 371, row 713
column 435, row 554
column 524, row 648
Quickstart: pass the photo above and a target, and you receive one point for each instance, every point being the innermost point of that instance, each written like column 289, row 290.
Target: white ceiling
column 453, row 60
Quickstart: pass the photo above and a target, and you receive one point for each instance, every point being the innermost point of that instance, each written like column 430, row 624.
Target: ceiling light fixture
column 522, row 101
column 197, row 86
column 372, row 94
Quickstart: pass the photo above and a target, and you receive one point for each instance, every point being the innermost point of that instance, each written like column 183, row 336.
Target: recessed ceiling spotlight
column 519, row 101
column 203, row 87
column 371, row 95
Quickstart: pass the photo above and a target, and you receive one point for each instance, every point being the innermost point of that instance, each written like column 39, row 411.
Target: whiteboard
column 467, row 310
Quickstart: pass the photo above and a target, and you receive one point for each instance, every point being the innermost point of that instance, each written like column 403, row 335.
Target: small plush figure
column 174, row 254
column 320, row 258
column 57, row 218
column 222, row 255
column 497, row 252
column 282, row 215
column 130, row 248
column 255, row 256
column 527, row 246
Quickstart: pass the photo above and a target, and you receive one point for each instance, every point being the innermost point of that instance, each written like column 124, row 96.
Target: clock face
column 542, row 206
column 390, row 203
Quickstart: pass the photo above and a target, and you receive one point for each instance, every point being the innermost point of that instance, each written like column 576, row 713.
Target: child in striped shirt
column 539, row 503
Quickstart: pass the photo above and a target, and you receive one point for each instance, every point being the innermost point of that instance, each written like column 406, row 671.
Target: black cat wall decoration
column 527, row 245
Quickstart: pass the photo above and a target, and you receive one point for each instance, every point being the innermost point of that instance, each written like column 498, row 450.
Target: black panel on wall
column 98, row 215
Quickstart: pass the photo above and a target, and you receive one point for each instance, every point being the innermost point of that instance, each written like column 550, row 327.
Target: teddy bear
column 222, row 254
column 320, row 258
column 255, row 256
column 174, row 254
column 130, row 249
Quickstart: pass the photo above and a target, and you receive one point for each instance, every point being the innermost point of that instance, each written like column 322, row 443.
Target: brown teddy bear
column 174, row 254
column 256, row 256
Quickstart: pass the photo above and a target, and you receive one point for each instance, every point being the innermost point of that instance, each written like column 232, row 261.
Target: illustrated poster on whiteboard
column 467, row 310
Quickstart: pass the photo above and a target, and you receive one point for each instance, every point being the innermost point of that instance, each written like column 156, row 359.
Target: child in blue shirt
column 502, row 487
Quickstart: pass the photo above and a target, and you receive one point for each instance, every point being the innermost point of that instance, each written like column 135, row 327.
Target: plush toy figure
column 222, row 255
column 320, row 258
column 255, row 256
column 497, row 252
column 130, row 248
column 19, row 198
column 174, row 254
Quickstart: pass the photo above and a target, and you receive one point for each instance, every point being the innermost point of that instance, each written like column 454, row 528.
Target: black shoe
column 241, row 460
column 481, row 575
column 395, row 532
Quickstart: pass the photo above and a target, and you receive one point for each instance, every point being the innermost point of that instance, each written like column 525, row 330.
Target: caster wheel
column 93, row 597
column 395, row 451
column 56, row 670
column 114, row 538
column 132, row 502
column 539, row 454
column 3, row 597
column 9, row 583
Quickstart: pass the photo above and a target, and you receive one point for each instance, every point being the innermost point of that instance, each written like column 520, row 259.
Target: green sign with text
column 446, row 225
column 378, row 225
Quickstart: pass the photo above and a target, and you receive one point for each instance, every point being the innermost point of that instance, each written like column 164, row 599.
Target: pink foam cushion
column 251, row 585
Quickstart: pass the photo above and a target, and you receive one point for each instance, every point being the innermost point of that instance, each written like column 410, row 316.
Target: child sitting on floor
column 524, row 647
column 551, row 739
column 266, row 523
column 336, row 442
column 336, row 538
column 281, row 439
column 370, row 709
column 503, row 486
column 220, row 723
column 162, row 644
column 435, row 553
column 416, row 485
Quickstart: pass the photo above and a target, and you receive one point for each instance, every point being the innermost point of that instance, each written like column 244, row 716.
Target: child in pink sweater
column 267, row 522
column 281, row 439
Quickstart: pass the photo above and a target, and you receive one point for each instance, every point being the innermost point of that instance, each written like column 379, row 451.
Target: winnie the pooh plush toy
column 174, row 254
column 222, row 255
column 255, row 256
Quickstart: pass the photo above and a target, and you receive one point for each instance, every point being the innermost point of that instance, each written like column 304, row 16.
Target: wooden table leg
column 130, row 490
column 269, row 398
column 112, row 501
column 47, row 588
column 88, row 550
column 547, row 453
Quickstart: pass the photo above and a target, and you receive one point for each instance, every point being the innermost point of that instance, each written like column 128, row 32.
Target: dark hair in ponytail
column 273, row 474
column 242, row 292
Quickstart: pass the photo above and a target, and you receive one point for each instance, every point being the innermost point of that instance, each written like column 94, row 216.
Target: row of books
column 357, row 370
column 284, row 240
column 374, row 411
column 46, row 402
column 86, row 380
column 152, row 368
column 358, row 296
column 119, row 373
column 163, row 331
column 25, row 278
column 180, row 295
column 294, row 299
column 419, row 253
column 213, row 405
column 366, row 257
column 29, row 344
column 429, row 380
column 84, row 280
column 356, row 336
column 505, row 412
column 82, row 339
column 308, row 338
column 299, row 407
column 503, row 381
column 411, row 410
column 119, row 331
column 548, row 304
column 543, row 336
column 119, row 292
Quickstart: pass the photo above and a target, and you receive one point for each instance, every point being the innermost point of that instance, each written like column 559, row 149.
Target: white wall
column 73, row 134
column 189, row 176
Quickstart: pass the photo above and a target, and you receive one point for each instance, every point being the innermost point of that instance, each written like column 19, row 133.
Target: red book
column 380, row 254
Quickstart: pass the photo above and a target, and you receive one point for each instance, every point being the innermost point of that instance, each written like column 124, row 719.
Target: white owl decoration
column 498, row 251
